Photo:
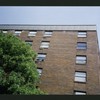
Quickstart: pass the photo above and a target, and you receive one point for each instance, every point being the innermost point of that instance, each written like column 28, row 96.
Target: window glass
column 81, row 59
column 81, row 45
column 79, row 93
column 44, row 45
column 39, row 71
column 32, row 33
column 48, row 34
column 4, row 31
column 40, row 57
column 29, row 42
column 17, row 33
column 80, row 76
column 82, row 34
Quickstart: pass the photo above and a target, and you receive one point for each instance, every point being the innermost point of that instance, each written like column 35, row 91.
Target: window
column 81, row 45
column 81, row 59
column 80, row 76
column 4, row 31
column 17, row 33
column 40, row 57
column 39, row 71
column 82, row 34
column 29, row 42
column 32, row 33
column 47, row 34
column 44, row 44
column 79, row 93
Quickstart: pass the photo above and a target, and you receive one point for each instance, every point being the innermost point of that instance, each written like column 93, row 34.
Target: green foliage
column 18, row 73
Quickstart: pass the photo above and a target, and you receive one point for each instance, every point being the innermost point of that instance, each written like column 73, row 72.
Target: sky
column 51, row 15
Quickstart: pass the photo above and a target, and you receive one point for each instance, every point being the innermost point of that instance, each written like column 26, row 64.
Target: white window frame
column 82, row 34
column 17, row 33
column 80, row 76
column 40, row 57
column 81, row 45
column 81, row 59
column 32, row 33
column 79, row 93
column 4, row 31
column 39, row 71
column 47, row 34
column 44, row 44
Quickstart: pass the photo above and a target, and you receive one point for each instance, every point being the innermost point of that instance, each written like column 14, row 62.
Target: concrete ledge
column 47, row 27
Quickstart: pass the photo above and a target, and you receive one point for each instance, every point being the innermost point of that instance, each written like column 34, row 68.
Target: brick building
column 68, row 56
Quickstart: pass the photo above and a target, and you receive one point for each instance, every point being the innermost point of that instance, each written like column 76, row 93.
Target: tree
column 18, row 71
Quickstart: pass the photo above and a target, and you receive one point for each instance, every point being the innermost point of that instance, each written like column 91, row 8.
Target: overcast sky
column 51, row 15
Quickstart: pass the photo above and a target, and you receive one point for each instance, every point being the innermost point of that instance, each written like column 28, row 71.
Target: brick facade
column 60, row 65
